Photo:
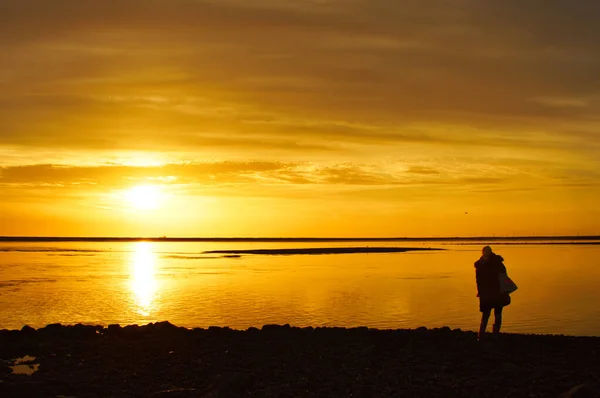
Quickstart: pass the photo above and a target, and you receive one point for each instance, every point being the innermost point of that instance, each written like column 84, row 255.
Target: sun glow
column 144, row 197
column 144, row 284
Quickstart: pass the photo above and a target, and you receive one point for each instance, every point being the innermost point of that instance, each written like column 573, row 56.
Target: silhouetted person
column 487, row 271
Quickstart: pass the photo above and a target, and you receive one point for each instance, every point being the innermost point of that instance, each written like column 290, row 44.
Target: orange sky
column 299, row 118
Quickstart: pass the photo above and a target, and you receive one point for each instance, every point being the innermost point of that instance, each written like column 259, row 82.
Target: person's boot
column 482, row 328
column 496, row 331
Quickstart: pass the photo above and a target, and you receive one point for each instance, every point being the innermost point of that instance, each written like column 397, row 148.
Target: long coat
column 488, row 284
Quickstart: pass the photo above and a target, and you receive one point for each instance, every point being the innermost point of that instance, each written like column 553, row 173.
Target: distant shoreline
column 322, row 250
column 571, row 239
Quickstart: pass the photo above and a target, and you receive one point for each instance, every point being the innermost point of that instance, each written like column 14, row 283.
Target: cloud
column 292, row 111
column 422, row 170
column 225, row 178
column 295, row 76
column 117, row 174
column 561, row 102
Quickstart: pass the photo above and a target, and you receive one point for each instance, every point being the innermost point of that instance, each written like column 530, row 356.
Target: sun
column 144, row 197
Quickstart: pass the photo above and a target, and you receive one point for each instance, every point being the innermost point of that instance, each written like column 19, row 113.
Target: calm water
column 141, row 282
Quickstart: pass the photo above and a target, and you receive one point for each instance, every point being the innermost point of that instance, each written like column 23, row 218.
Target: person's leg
column 485, row 316
column 497, row 320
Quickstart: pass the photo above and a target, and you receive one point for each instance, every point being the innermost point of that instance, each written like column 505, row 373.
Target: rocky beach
column 162, row 360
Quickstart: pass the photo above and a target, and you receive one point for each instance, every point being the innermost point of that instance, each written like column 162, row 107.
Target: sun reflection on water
column 144, row 284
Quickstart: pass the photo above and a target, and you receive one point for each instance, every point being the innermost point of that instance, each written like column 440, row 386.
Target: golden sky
column 299, row 118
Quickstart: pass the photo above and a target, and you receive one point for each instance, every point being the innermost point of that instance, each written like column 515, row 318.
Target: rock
column 54, row 329
column 83, row 331
column 165, row 326
column 133, row 331
column 361, row 329
column 271, row 328
column 306, row 362
column 113, row 330
column 28, row 330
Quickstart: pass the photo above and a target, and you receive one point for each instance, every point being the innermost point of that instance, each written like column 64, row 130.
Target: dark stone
column 113, row 329
column 332, row 362
column 148, row 327
column 9, row 334
column 133, row 331
column 28, row 330
column 83, row 331
column 54, row 329
column 271, row 328
column 165, row 326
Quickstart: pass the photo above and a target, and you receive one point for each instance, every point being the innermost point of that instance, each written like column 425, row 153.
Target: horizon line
column 26, row 238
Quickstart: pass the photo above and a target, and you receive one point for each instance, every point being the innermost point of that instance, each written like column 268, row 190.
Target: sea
column 142, row 281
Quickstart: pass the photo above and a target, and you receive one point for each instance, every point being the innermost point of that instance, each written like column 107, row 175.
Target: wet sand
column 161, row 360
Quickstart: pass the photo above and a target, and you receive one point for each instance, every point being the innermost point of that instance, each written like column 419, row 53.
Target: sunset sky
column 299, row 117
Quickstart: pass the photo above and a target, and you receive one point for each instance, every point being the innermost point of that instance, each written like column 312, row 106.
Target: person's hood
column 494, row 258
